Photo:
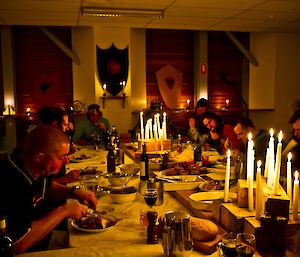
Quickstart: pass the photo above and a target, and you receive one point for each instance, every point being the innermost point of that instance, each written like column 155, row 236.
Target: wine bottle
column 6, row 243
column 197, row 151
column 144, row 164
column 114, row 134
column 111, row 161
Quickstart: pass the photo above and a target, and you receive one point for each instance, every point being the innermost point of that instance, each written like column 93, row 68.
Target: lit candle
column 250, row 182
column 278, row 164
column 267, row 163
column 258, row 197
column 227, row 177
column 28, row 111
column 142, row 126
column 104, row 88
column 227, row 102
column 271, row 168
column 289, row 178
column 188, row 103
column 165, row 126
column 296, row 196
column 158, row 123
column 161, row 139
column 151, row 129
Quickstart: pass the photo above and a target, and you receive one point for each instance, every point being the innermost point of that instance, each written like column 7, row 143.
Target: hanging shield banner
column 169, row 81
column 112, row 64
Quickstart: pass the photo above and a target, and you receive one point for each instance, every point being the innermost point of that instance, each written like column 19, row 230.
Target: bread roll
column 203, row 230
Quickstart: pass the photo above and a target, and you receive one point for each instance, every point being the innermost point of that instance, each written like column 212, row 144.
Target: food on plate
column 202, row 229
column 125, row 190
column 90, row 171
column 95, row 222
column 185, row 168
column 81, row 157
column 212, row 185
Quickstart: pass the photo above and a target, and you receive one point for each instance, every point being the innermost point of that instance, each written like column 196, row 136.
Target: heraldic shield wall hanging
column 112, row 66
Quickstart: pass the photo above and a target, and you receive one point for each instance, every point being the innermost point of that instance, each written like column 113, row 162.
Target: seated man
column 56, row 116
column 92, row 123
column 261, row 138
column 294, row 144
column 196, row 126
column 24, row 185
column 221, row 136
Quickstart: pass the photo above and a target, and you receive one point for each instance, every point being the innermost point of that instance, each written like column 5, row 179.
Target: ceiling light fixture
column 118, row 12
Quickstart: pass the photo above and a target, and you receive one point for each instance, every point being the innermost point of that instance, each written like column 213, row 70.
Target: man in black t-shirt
column 24, row 185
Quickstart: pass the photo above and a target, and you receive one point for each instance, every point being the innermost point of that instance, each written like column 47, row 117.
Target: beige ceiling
column 228, row 15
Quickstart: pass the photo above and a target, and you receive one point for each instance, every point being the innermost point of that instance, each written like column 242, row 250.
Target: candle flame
column 289, row 156
column 141, row 113
column 228, row 153
column 104, row 86
column 28, row 109
column 227, row 101
column 296, row 175
column 259, row 164
column 249, row 136
column 271, row 132
column 188, row 101
column 164, row 114
column 280, row 136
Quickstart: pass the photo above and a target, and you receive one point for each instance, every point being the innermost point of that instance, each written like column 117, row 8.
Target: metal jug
column 177, row 240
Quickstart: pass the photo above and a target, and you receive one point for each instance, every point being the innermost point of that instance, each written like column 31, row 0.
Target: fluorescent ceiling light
column 119, row 12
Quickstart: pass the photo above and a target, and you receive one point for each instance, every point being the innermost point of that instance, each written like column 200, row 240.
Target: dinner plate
column 96, row 230
column 205, row 200
column 83, row 157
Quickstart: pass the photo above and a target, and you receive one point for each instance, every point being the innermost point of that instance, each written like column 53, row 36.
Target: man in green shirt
column 92, row 123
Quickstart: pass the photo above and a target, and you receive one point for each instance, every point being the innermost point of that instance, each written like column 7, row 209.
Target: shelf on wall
column 104, row 98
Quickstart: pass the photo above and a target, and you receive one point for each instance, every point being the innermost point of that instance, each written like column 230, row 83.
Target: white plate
column 87, row 157
column 205, row 200
column 111, row 217
column 105, row 209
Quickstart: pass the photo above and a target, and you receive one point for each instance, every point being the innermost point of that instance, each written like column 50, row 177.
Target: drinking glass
column 245, row 244
column 150, row 197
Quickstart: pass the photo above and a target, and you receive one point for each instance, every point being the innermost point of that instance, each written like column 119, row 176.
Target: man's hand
column 72, row 176
column 86, row 197
column 75, row 210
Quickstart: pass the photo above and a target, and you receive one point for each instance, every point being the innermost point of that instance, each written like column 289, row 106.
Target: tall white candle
column 258, row 197
column 161, row 139
column 271, row 169
column 289, row 178
column 142, row 126
column 227, row 177
column 267, row 163
column 165, row 125
column 296, row 196
column 278, row 164
column 249, row 154
column 151, row 129
column 158, row 122
column 250, row 183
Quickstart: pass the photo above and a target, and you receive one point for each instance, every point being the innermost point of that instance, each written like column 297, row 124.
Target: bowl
column 130, row 168
column 123, row 195
column 118, row 179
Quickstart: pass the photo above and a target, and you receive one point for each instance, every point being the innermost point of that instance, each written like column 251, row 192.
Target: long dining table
column 128, row 236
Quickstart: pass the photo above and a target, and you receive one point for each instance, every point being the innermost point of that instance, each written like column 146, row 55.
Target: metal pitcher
column 177, row 240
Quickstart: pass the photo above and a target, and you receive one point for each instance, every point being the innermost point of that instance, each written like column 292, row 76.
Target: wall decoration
column 169, row 81
column 112, row 64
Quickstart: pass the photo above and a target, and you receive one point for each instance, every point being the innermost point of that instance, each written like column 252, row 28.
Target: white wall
column 286, row 69
column 87, row 87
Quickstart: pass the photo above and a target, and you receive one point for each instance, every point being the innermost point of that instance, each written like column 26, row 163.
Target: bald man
column 24, row 184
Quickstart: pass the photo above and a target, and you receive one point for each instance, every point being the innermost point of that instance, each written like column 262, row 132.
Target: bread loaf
column 202, row 229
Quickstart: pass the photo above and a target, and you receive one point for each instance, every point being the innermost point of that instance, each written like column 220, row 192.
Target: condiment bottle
column 153, row 228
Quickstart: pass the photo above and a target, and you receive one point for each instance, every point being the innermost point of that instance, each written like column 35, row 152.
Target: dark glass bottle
column 107, row 139
column 117, row 149
column 111, row 162
column 114, row 134
column 6, row 243
column 179, row 144
column 197, row 151
column 144, row 164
